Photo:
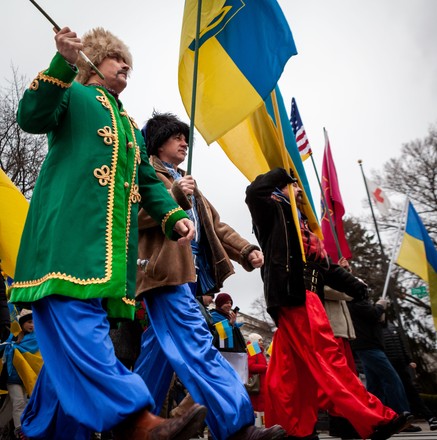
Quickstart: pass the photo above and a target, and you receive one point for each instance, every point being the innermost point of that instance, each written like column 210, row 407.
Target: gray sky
column 367, row 71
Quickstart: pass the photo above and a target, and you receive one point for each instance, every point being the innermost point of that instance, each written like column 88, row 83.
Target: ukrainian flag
column 253, row 348
column 418, row 254
column 265, row 140
column 243, row 48
column 13, row 209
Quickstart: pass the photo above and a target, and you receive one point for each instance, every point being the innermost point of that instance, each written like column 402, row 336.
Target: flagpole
column 285, row 161
column 371, row 207
column 395, row 248
column 194, row 92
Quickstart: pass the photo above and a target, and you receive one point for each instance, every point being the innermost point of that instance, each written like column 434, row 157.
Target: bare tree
column 414, row 174
column 259, row 310
column 21, row 153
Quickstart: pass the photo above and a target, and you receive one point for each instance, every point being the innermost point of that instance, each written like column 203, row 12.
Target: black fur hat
column 159, row 128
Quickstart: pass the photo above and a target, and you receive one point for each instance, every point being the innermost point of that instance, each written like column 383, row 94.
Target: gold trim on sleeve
column 167, row 216
column 50, row 79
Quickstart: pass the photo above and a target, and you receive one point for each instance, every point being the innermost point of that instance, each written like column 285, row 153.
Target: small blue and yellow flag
column 224, row 330
column 253, row 348
column 418, row 254
column 243, row 48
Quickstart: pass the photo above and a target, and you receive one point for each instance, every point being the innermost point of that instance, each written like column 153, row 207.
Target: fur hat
column 160, row 128
column 97, row 45
column 221, row 299
column 24, row 316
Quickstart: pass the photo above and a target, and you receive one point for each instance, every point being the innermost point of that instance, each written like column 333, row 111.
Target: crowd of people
column 141, row 232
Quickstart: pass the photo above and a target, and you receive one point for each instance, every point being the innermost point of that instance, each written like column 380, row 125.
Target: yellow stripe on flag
column 221, row 330
column 28, row 366
column 412, row 256
column 13, row 213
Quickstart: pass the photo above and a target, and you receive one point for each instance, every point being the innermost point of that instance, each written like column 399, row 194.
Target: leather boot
column 146, row 426
column 385, row 431
column 255, row 433
column 187, row 402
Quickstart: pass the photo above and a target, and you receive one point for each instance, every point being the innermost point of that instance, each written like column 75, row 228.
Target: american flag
column 299, row 132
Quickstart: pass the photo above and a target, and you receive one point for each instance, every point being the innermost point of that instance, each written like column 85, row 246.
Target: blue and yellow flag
column 224, row 330
column 253, row 348
column 418, row 254
column 243, row 48
column 13, row 213
column 265, row 140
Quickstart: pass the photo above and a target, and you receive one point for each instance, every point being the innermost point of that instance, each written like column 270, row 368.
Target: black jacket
column 394, row 347
column 366, row 318
column 283, row 270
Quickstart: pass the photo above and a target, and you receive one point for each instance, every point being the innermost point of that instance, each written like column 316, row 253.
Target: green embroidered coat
column 81, row 233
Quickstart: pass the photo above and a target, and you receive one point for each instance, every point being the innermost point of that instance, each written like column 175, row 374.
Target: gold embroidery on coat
column 59, row 276
column 103, row 174
column 129, row 302
column 107, row 135
column 135, row 196
column 105, row 102
column 34, row 85
column 57, row 82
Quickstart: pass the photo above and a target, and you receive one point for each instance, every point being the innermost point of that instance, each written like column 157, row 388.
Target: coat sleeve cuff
column 169, row 221
column 245, row 255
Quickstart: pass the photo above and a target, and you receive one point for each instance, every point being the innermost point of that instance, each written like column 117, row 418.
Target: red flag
column 335, row 205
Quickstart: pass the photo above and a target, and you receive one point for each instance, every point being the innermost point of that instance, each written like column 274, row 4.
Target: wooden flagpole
column 194, row 91
column 58, row 28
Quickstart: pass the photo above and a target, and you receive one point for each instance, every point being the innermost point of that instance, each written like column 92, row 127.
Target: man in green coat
column 77, row 259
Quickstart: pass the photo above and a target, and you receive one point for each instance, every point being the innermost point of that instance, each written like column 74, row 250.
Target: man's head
column 297, row 190
column 110, row 55
column 167, row 137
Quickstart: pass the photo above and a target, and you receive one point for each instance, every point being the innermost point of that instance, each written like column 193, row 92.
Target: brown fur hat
column 97, row 45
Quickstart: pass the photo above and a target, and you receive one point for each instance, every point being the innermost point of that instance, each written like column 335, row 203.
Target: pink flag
column 334, row 203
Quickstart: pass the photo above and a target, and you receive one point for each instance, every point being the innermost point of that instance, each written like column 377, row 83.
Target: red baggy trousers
column 306, row 358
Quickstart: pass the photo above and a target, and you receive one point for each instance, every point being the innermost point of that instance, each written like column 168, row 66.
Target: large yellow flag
column 13, row 212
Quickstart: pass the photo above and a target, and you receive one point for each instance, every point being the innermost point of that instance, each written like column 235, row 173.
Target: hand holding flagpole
column 58, row 28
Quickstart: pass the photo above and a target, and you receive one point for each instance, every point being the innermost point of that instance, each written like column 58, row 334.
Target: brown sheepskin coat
column 165, row 263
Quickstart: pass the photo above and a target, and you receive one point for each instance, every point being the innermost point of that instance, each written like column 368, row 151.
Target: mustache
column 124, row 71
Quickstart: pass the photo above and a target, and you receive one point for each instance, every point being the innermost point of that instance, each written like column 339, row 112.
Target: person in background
column 78, row 250
column 396, row 352
column 25, row 342
column 381, row 378
column 233, row 347
column 305, row 355
column 258, row 365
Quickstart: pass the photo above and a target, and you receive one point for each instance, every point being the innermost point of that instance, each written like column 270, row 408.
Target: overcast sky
column 366, row 70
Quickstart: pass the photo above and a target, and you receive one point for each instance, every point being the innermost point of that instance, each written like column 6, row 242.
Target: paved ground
column 425, row 434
